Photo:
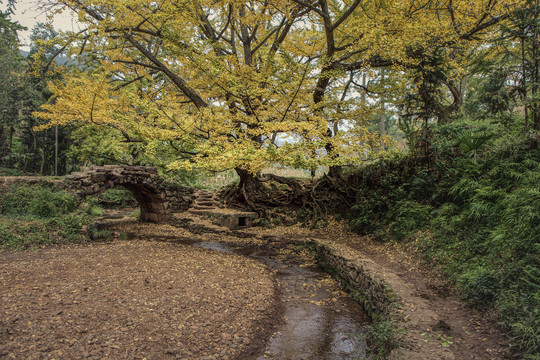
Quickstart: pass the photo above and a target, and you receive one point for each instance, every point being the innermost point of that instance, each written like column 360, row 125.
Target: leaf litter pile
column 131, row 300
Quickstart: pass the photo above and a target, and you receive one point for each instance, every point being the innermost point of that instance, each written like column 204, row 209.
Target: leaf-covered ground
column 437, row 324
column 118, row 300
column 122, row 299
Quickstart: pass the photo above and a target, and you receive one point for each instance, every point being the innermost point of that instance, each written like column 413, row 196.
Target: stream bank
column 318, row 320
column 433, row 322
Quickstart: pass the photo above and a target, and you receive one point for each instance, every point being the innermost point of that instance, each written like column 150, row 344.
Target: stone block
column 156, row 206
column 151, row 217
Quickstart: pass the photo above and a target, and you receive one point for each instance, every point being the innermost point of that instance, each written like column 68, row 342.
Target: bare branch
column 346, row 14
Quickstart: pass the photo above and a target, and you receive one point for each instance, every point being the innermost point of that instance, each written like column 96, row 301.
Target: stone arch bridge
column 155, row 195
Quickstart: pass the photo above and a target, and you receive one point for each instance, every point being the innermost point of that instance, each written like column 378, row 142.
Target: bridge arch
column 155, row 199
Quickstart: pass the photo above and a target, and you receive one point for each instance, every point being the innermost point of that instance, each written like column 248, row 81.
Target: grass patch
column 9, row 172
column 382, row 337
column 21, row 234
column 36, row 201
column 38, row 215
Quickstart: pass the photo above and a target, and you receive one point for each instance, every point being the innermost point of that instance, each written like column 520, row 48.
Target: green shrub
column 70, row 226
column 19, row 234
column 479, row 285
column 40, row 215
column 91, row 207
column 117, row 198
column 9, row 172
column 36, row 201
column 409, row 217
column 382, row 336
column 96, row 234
column 473, row 198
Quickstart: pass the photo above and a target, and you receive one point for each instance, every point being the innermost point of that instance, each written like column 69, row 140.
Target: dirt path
column 434, row 315
column 437, row 324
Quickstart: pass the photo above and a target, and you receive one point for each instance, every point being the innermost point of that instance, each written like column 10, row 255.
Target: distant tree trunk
column 524, row 79
column 56, row 150
column 11, row 132
column 382, row 127
column 536, row 79
column 42, row 161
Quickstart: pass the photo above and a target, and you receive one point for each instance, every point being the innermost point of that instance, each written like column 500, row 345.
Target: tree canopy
column 234, row 84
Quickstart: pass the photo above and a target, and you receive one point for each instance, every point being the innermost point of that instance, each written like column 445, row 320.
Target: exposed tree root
column 310, row 200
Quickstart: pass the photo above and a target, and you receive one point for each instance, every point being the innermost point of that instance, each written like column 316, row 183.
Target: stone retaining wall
column 370, row 290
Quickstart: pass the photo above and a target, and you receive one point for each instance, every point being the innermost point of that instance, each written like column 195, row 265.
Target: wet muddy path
column 320, row 321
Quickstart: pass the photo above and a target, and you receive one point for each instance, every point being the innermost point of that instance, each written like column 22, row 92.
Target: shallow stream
column 320, row 322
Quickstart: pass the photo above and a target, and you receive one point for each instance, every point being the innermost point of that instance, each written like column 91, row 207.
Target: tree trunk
column 382, row 119
column 335, row 172
column 56, row 150
column 41, row 168
column 523, row 79
column 249, row 184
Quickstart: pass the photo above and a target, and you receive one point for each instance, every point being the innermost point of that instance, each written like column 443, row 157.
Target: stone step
column 206, row 203
column 201, row 211
column 203, row 207
column 205, row 197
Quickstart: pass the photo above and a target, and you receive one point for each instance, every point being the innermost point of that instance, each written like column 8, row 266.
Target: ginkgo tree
column 245, row 84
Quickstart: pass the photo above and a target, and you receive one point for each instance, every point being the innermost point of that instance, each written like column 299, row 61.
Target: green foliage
column 91, row 207
column 479, row 285
column 70, row 226
column 522, row 313
column 9, row 172
column 136, row 214
column 22, row 92
column 117, row 198
column 382, row 336
column 470, row 200
column 17, row 234
column 100, row 234
column 37, row 215
column 410, row 216
column 35, row 201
